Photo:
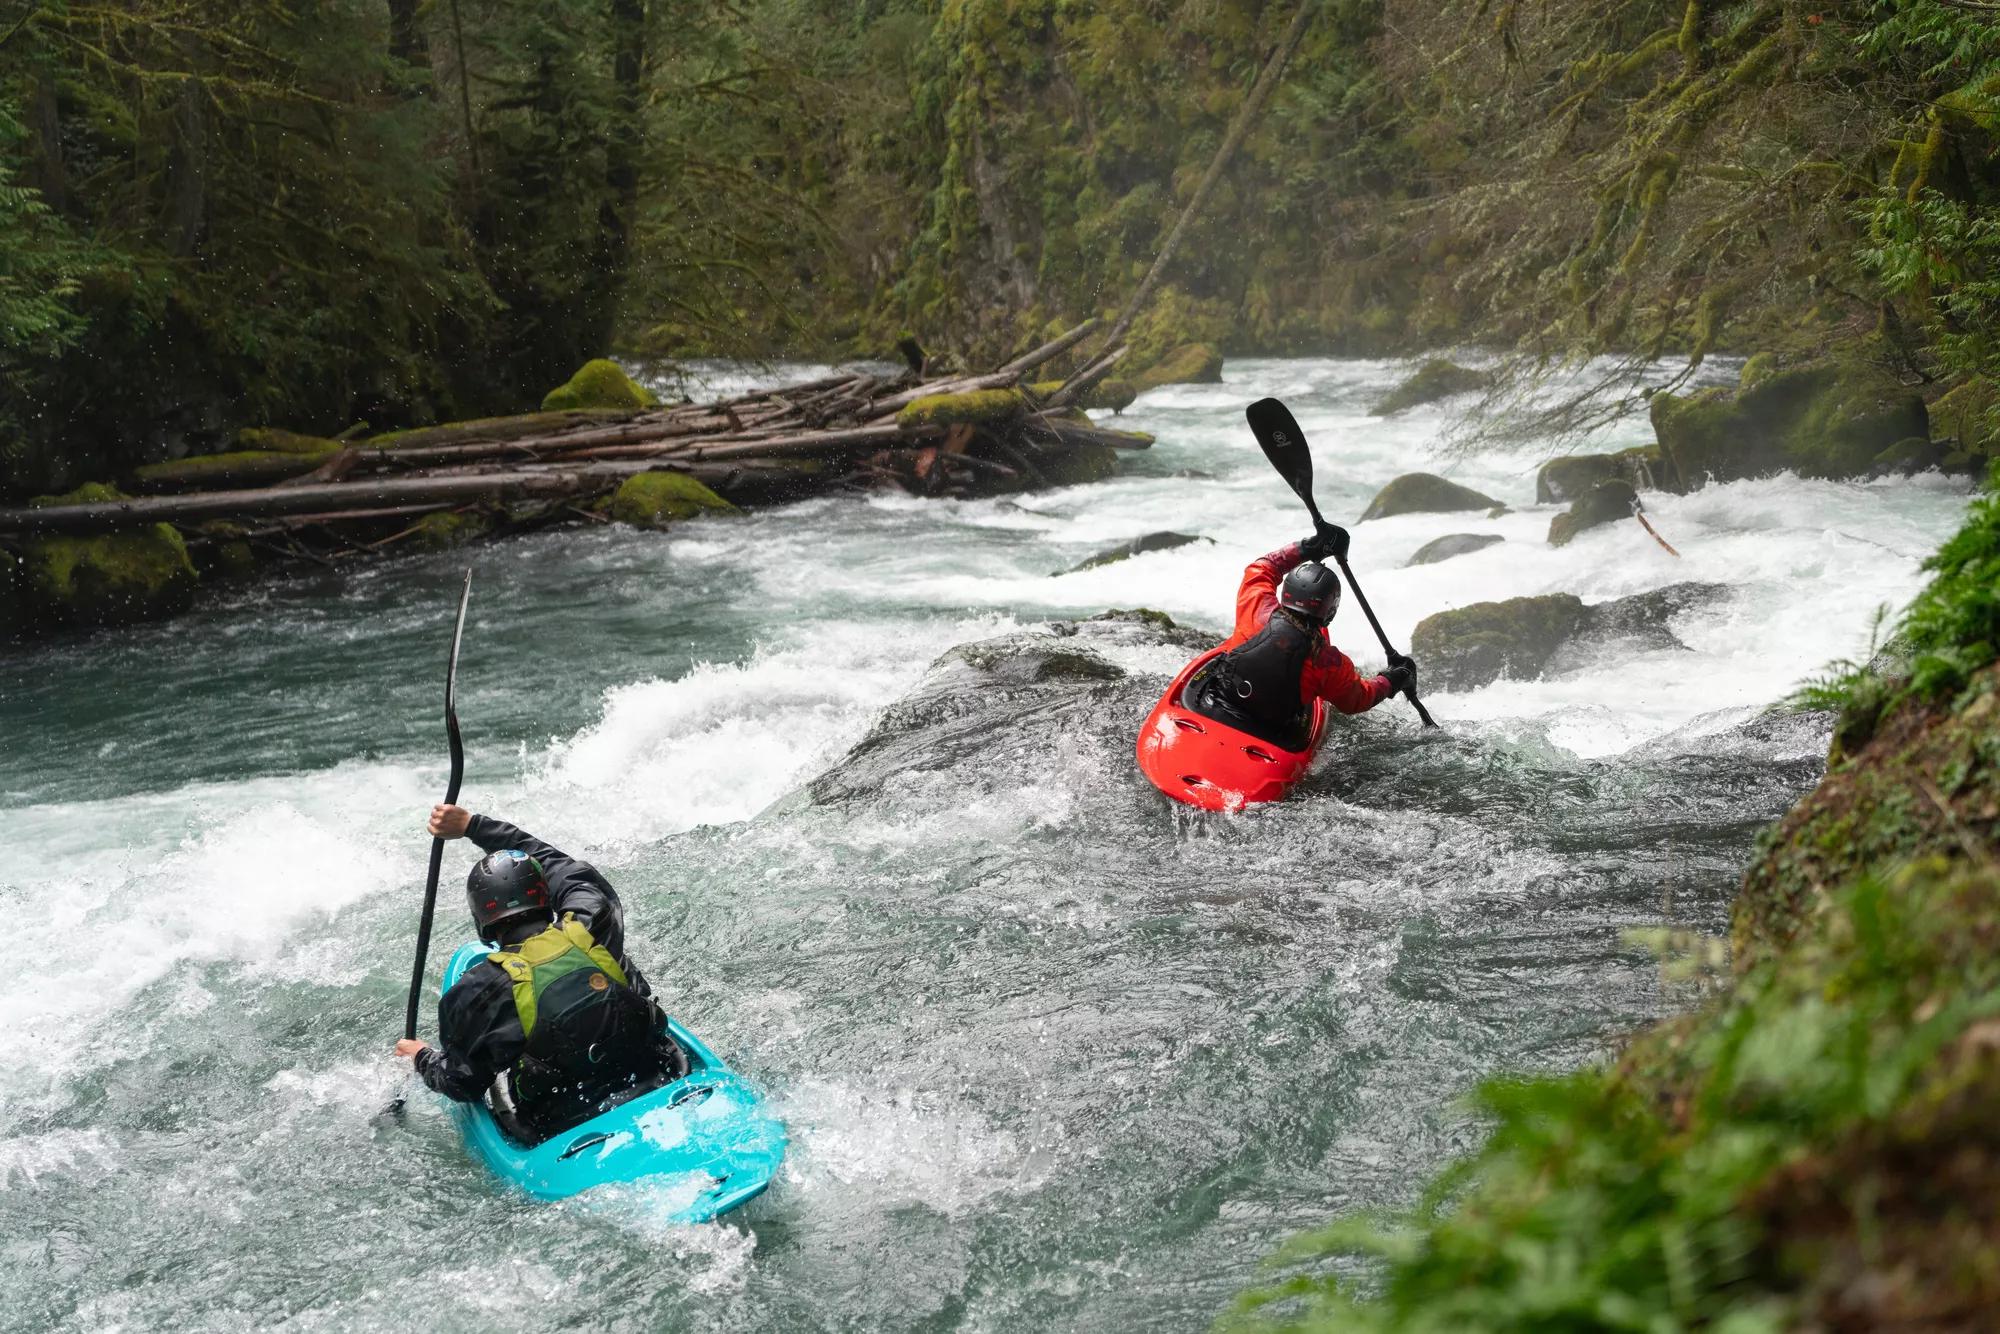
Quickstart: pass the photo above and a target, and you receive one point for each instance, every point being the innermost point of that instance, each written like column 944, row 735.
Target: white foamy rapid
column 998, row 1006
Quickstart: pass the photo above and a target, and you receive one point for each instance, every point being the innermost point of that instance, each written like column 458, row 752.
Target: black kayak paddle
column 437, row 844
column 1284, row 444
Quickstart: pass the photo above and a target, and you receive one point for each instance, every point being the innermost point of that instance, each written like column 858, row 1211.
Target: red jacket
column 1329, row 673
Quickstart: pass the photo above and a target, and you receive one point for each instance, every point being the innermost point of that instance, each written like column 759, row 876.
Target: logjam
column 839, row 432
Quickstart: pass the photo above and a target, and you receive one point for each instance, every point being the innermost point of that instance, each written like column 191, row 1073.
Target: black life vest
column 1255, row 686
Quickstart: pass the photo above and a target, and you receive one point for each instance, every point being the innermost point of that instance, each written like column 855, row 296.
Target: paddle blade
column 1283, row 443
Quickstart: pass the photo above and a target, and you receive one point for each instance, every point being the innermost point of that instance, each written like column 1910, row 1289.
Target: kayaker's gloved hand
column 1402, row 673
column 449, row 821
column 1329, row 541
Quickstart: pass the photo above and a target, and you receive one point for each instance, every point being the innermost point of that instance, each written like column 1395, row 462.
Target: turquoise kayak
column 704, row 1141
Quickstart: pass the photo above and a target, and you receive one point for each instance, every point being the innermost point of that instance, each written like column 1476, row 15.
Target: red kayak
column 1212, row 765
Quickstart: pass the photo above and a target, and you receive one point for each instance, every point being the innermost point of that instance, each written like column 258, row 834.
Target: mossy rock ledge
column 657, row 499
column 602, row 383
column 1432, row 381
column 113, row 579
column 1832, row 419
column 1529, row 638
column 1425, row 493
column 1190, row 363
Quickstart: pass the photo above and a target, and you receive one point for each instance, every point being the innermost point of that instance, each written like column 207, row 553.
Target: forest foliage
column 313, row 212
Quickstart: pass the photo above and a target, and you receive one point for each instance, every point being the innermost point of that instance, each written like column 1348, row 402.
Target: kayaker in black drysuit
column 558, row 1008
column 1279, row 659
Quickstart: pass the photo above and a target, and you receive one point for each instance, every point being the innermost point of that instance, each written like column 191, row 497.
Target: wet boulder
column 1607, row 502
column 137, row 574
column 1908, row 457
column 1829, row 419
column 656, row 499
column 1432, row 381
column 1529, row 638
column 1138, row 546
column 995, row 709
column 602, row 383
column 1453, row 544
column 1564, row 479
column 1425, row 493
column 1190, row 363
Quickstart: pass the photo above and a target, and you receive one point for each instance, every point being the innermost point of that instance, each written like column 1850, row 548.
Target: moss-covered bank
column 1817, row 1149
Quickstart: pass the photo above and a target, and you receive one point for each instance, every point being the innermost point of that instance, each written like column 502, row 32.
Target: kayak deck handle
column 698, row 1094
column 577, row 1146
column 1189, row 725
column 1194, row 780
column 1256, row 753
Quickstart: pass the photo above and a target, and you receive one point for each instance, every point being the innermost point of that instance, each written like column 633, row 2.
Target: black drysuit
column 479, row 1027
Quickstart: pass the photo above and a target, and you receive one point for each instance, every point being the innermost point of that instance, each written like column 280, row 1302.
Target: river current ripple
column 1053, row 1054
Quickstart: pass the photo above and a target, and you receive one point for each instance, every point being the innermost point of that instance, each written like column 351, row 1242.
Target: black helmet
column 506, row 885
column 1311, row 590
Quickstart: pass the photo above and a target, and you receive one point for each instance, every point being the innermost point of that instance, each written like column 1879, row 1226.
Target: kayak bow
column 1199, row 761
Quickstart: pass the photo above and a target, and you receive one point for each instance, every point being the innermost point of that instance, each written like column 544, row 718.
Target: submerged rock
column 656, row 499
column 602, row 383
column 112, row 579
column 1453, row 544
column 1528, row 638
column 1138, row 546
column 1000, row 705
column 1607, row 502
column 1190, row 363
column 1830, row 419
column 1425, row 493
column 1432, row 381
column 1564, row 479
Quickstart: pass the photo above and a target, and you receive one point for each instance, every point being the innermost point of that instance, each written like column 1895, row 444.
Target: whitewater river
column 1052, row 1053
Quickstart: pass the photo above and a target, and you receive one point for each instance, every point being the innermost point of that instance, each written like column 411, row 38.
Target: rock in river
column 1432, row 381
column 1453, row 544
column 1424, row 493
column 1528, row 638
column 1607, row 502
column 1138, row 546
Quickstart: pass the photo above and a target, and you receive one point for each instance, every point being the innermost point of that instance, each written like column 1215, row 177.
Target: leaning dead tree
column 944, row 435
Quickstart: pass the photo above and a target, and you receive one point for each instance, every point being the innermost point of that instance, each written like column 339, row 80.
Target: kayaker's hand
column 409, row 1047
column 1328, row 541
column 450, row 821
column 1402, row 673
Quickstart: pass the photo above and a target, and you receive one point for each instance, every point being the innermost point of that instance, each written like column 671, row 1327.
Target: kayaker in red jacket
column 1279, row 660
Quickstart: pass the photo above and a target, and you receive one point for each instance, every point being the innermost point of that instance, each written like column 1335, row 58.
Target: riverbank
column 1816, row 1149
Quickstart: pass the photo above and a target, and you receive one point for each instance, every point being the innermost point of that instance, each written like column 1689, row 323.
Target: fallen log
column 111, row 515
column 1052, row 349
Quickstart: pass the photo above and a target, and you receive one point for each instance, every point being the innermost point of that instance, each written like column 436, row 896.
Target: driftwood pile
column 844, row 431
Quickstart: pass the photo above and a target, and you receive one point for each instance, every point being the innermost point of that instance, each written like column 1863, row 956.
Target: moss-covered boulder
column 1607, row 502
column 1470, row 646
column 1757, row 370
column 112, row 579
column 602, row 383
column 1106, row 395
column 1564, row 479
column 1079, row 465
column 1966, row 420
column 1453, row 544
column 1830, row 419
column 656, row 499
column 1425, row 493
column 1191, row 363
column 1432, row 381
column 269, row 439
column 974, row 408
column 448, row 529
column 1138, row 546
column 1906, row 458
column 239, row 468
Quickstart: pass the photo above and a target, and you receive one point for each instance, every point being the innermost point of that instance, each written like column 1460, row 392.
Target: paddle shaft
column 1369, row 612
column 450, row 798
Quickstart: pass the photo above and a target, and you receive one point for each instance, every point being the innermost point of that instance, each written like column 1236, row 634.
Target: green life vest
column 563, row 965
